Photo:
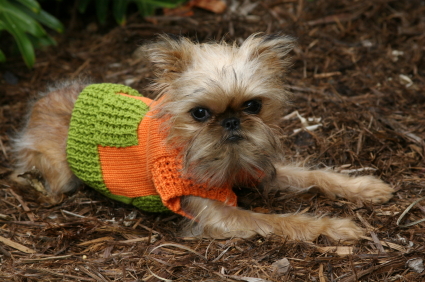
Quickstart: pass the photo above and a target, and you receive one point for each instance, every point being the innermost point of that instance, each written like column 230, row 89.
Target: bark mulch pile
column 359, row 83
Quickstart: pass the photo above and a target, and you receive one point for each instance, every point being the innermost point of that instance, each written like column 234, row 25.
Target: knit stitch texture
column 117, row 147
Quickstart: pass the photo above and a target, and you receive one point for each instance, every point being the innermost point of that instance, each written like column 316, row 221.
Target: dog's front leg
column 217, row 220
column 332, row 184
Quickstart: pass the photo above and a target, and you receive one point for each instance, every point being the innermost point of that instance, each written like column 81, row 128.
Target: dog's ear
column 270, row 49
column 170, row 56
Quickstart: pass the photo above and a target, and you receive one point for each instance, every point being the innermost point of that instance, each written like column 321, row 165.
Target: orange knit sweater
column 134, row 173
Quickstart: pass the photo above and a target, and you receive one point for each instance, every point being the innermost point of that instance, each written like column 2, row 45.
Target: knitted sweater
column 117, row 147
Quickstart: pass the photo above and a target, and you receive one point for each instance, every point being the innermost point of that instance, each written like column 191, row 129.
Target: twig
column 17, row 246
column 172, row 245
column 5, row 217
column 406, row 211
column 326, row 74
column 30, row 214
column 73, row 214
column 321, row 276
column 44, row 259
column 98, row 240
column 377, row 242
column 152, row 238
column 388, row 244
column 80, row 68
column 77, row 278
column 92, row 275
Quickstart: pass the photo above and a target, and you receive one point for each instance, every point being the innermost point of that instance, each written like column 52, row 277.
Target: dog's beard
column 215, row 157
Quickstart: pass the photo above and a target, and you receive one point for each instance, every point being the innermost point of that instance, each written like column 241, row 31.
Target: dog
column 213, row 127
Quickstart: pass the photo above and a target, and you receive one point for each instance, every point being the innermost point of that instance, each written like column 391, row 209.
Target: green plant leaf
column 82, row 5
column 44, row 41
column 44, row 18
column 18, row 17
column 145, row 9
column 34, row 28
column 119, row 10
column 102, row 10
column 163, row 3
column 2, row 56
column 31, row 4
column 148, row 7
column 24, row 43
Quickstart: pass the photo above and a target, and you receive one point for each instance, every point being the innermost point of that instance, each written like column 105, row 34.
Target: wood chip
column 98, row 240
column 17, row 246
column 44, row 259
column 327, row 74
column 281, row 266
column 388, row 245
column 321, row 275
column 339, row 250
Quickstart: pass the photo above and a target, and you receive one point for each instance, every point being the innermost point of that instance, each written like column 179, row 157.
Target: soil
column 359, row 73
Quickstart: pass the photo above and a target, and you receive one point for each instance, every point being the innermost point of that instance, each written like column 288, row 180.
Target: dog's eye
column 200, row 114
column 252, row 106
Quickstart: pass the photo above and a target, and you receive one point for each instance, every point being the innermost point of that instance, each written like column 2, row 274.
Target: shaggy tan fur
column 222, row 103
column 42, row 142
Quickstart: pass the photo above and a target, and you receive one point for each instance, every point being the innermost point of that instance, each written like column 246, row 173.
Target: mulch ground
column 359, row 80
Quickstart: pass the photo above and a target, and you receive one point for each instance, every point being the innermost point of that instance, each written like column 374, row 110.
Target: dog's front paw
column 341, row 229
column 304, row 227
column 369, row 189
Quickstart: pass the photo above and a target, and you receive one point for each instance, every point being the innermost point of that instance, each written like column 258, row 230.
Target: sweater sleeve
column 171, row 186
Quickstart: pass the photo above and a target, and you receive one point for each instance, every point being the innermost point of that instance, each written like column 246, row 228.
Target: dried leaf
column 215, row 6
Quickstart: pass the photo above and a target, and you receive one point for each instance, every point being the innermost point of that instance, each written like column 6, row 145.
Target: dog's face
column 223, row 104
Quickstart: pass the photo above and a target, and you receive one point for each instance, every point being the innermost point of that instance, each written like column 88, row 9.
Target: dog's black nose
column 231, row 123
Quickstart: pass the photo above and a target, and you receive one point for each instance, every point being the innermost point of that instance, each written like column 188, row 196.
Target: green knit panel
column 101, row 117
column 123, row 199
column 150, row 204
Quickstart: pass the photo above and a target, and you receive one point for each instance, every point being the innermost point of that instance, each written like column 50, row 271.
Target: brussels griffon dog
column 213, row 127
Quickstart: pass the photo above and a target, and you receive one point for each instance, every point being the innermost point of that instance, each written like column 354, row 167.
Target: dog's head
column 222, row 103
